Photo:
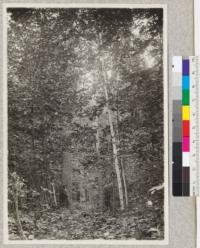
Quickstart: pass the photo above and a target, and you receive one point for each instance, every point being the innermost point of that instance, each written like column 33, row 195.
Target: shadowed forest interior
column 85, row 123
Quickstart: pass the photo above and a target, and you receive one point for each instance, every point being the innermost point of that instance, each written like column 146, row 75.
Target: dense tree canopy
column 85, row 110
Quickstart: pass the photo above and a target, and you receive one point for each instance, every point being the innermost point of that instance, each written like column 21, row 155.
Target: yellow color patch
column 185, row 113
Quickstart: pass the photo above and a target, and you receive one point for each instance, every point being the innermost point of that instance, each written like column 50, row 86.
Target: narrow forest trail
column 66, row 224
column 76, row 224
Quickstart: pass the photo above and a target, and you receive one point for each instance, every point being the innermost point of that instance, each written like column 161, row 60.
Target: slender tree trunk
column 54, row 194
column 116, row 159
column 113, row 197
column 119, row 142
column 67, row 175
column 19, row 225
column 97, row 136
column 124, row 183
column 114, row 145
column 113, row 136
column 98, row 155
column 32, row 160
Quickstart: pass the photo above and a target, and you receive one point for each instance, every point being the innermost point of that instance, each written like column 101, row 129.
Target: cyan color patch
column 185, row 82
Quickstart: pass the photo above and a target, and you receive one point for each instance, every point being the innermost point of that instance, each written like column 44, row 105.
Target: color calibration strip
column 185, row 127
column 185, row 81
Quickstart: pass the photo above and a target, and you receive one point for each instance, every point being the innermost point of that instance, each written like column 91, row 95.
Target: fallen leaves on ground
column 76, row 224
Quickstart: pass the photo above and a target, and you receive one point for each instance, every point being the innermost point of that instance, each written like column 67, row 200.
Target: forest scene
column 85, row 123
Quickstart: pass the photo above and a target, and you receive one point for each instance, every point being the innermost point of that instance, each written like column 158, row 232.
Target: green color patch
column 185, row 97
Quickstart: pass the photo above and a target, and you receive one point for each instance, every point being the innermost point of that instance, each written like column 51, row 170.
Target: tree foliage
column 67, row 68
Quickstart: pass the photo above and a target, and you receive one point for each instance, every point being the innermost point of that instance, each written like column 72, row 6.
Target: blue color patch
column 185, row 82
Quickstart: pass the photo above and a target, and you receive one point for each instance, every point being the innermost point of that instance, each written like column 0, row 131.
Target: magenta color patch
column 186, row 144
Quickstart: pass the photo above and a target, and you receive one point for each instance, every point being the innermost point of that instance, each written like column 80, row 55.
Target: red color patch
column 186, row 128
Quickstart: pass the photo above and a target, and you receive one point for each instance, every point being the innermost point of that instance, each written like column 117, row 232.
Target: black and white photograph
column 86, row 154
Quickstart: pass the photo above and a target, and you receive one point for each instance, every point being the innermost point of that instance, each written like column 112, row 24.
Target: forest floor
column 77, row 224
